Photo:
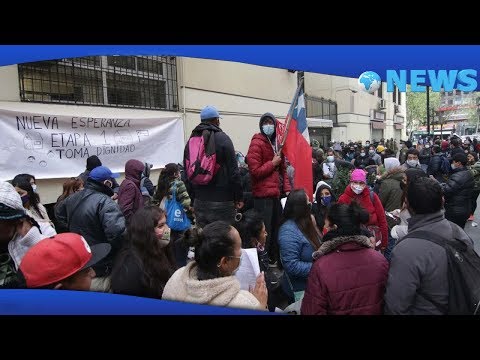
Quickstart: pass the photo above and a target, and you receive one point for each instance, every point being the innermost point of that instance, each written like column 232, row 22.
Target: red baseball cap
column 58, row 257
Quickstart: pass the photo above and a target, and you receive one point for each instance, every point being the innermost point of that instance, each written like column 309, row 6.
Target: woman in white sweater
column 210, row 279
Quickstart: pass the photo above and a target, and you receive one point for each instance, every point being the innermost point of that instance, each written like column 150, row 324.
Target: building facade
column 124, row 85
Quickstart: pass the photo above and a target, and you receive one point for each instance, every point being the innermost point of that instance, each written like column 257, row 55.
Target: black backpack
column 444, row 165
column 463, row 275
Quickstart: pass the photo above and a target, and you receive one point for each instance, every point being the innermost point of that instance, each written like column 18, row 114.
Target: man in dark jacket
column 417, row 279
column 435, row 165
column 269, row 179
column 92, row 162
column 94, row 215
column 218, row 199
column 458, row 191
column 455, row 147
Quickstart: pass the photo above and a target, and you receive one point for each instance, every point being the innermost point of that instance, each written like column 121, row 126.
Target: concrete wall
column 241, row 93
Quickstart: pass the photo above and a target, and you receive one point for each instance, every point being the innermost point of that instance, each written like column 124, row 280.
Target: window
column 399, row 102
column 145, row 82
column 394, row 93
column 321, row 108
column 380, row 91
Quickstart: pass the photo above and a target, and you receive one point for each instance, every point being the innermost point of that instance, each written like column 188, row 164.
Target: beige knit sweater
column 223, row 291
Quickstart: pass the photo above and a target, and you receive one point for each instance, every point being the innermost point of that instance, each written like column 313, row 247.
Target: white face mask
column 427, row 146
column 268, row 129
column 453, row 166
column 330, row 158
column 362, row 154
column 34, row 187
column 412, row 163
column 357, row 189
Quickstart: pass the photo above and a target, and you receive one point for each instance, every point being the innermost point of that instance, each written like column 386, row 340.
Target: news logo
column 446, row 80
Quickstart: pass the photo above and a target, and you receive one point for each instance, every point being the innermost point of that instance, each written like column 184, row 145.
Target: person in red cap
column 63, row 261
column 358, row 191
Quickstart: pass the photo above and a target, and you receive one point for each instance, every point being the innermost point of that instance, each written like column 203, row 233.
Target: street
column 474, row 231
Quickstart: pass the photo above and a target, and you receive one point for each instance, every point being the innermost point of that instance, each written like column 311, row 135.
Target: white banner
column 56, row 146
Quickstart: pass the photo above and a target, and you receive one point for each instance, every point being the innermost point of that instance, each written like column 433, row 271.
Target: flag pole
column 290, row 113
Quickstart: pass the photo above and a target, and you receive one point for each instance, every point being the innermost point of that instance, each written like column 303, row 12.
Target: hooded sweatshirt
column 267, row 180
column 129, row 196
column 223, row 291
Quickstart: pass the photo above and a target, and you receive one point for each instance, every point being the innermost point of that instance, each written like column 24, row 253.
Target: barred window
column 145, row 82
column 321, row 108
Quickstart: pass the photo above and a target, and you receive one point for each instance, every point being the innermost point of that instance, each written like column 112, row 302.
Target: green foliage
column 417, row 107
column 340, row 180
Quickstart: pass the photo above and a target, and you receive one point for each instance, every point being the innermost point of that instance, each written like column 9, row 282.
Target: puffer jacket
column 94, row 215
column 264, row 176
column 458, row 192
column 435, row 167
column 296, row 254
column 349, row 278
column 375, row 209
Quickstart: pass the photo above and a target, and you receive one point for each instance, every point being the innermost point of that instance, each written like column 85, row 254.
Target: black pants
column 271, row 211
column 207, row 212
column 459, row 219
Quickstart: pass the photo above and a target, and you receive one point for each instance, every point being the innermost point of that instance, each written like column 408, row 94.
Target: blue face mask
column 326, row 200
column 268, row 129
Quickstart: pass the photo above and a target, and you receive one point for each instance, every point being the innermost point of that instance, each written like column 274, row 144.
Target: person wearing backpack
column 212, row 171
column 439, row 166
column 418, row 276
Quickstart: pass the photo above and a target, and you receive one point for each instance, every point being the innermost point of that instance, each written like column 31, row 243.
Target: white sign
column 57, row 146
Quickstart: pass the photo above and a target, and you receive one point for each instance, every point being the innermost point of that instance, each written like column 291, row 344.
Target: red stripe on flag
column 299, row 153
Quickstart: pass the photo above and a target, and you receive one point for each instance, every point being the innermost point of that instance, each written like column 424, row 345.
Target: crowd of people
column 345, row 251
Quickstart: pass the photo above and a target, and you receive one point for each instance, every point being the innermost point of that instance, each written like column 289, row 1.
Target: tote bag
column 177, row 218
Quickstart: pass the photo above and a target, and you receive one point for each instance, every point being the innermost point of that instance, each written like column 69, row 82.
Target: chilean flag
column 295, row 143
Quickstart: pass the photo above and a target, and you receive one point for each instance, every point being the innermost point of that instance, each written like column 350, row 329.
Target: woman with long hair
column 298, row 239
column 30, row 199
column 348, row 276
column 144, row 265
column 170, row 177
column 70, row 186
column 210, row 279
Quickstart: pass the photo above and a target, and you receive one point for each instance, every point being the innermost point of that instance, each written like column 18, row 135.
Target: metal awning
column 319, row 123
column 378, row 124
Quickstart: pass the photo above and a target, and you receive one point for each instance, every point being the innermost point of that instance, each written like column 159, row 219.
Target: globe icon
column 369, row 81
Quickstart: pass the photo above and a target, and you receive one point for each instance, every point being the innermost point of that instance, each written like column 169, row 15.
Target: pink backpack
column 201, row 163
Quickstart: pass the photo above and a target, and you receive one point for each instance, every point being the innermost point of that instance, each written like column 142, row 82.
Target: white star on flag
column 300, row 104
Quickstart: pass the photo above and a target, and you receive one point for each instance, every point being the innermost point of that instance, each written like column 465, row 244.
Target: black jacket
column 94, row 215
column 435, row 167
column 458, row 192
column 225, row 185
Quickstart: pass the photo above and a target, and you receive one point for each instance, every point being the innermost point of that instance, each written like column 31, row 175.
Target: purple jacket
column 130, row 198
